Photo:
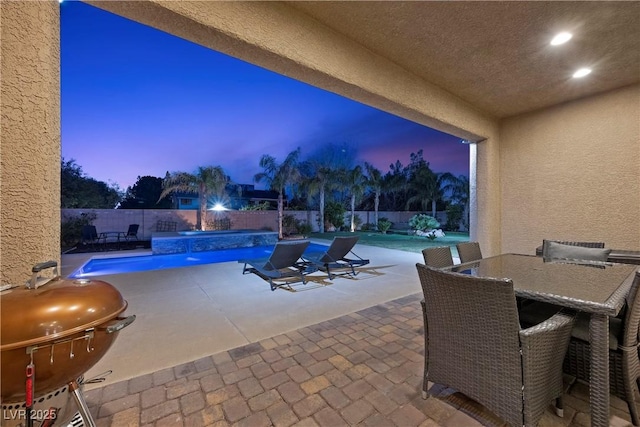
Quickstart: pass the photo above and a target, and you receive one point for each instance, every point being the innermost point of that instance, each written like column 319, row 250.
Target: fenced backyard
column 156, row 220
column 185, row 220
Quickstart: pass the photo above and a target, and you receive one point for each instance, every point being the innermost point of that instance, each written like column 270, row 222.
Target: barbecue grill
column 53, row 331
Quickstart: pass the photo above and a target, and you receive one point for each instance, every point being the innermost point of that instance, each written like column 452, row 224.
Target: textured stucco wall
column 30, row 137
column 283, row 39
column 572, row 172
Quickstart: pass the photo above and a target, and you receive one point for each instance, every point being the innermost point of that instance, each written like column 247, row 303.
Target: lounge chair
column 132, row 232
column 283, row 263
column 89, row 236
column 335, row 256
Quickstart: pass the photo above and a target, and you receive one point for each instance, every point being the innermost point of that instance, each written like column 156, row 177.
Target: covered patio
column 213, row 347
column 551, row 157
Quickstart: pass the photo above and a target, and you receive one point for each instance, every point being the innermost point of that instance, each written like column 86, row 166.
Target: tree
column 80, row 191
column 395, row 185
column 318, row 180
column 422, row 183
column 278, row 176
column 375, row 183
column 356, row 182
column 457, row 188
column 208, row 181
column 145, row 194
column 321, row 175
column 437, row 193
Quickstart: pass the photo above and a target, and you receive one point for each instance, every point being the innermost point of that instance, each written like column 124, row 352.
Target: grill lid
column 56, row 310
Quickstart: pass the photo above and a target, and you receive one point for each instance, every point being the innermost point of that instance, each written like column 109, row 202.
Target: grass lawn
column 401, row 242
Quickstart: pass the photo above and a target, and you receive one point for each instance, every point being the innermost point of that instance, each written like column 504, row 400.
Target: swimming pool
column 132, row 264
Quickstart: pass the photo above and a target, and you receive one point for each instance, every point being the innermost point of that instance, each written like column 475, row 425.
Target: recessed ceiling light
column 581, row 72
column 561, row 38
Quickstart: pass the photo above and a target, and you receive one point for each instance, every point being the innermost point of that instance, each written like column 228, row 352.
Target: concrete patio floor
column 211, row 346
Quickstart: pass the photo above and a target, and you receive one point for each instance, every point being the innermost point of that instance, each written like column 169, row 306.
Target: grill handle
column 120, row 323
column 36, row 281
column 43, row 266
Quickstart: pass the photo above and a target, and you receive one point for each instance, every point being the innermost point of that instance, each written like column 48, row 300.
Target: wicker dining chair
column 624, row 364
column 438, row 257
column 513, row 372
column 469, row 251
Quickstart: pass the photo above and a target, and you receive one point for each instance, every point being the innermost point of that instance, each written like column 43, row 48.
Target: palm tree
column 458, row 189
column 437, row 192
column 395, row 184
column 318, row 179
column 206, row 182
column 376, row 183
column 278, row 176
column 356, row 182
column 424, row 186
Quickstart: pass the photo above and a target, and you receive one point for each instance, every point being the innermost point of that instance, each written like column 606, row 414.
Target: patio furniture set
column 289, row 260
column 502, row 329
column 107, row 239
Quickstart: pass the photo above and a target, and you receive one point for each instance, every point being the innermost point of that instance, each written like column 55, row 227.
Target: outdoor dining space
column 358, row 350
column 570, row 294
column 551, row 154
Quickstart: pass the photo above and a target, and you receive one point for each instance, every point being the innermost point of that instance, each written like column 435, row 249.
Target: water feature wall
column 204, row 241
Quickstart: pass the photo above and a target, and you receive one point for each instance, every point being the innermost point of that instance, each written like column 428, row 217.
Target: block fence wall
column 119, row 219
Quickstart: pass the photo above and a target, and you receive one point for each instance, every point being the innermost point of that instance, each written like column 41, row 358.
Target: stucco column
column 29, row 136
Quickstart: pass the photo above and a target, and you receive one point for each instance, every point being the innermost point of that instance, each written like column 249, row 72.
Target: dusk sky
column 137, row 101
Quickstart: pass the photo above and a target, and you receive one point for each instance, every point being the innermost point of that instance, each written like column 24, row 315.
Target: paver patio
column 211, row 346
column 364, row 368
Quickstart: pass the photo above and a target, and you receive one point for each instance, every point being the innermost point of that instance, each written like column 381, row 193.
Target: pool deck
column 211, row 346
column 206, row 309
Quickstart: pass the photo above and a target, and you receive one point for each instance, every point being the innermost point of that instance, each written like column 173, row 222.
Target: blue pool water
column 132, row 264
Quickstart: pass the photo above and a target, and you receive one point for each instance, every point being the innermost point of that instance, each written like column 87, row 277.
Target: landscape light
column 561, row 38
column 218, row 207
column 581, row 73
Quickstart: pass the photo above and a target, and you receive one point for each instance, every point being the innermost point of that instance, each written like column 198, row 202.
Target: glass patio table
column 596, row 288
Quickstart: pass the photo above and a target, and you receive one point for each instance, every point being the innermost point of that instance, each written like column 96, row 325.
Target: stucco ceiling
column 496, row 55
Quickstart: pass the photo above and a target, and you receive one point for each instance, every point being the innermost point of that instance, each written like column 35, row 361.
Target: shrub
column 357, row 221
column 262, row 206
column 304, row 228
column 71, row 228
column 369, row 226
column 423, row 222
column 384, row 225
column 289, row 221
column 454, row 216
column 291, row 225
column 334, row 214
